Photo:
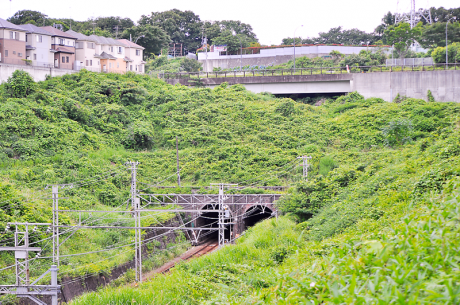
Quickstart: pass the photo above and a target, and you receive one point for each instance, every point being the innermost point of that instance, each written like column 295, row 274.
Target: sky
column 271, row 20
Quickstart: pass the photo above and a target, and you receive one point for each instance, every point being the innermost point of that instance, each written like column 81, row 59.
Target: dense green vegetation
column 381, row 187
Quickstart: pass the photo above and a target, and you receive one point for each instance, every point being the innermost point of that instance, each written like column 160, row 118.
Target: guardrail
column 310, row 71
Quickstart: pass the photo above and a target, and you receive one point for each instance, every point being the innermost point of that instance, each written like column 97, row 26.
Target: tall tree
column 387, row 20
column 239, row 28
column 402, row 36
column 434, row 35
column 110, row 24
column 233, row 42
column 28, row 16
column 154, row 40
column 347, row 37
column 181, row 26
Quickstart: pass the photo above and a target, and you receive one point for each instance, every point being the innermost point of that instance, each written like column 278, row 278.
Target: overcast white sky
column 271, row 20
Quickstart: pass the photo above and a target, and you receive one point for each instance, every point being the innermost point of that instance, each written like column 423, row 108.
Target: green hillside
column 381, row 197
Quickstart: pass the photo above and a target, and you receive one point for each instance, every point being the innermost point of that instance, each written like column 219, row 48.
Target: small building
column 85, row 52
column 134, row 56
column 38, row 46
column 63, row 46
column 111, row 54
column 12, row 43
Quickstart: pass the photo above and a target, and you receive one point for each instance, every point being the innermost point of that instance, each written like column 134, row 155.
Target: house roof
column 107, row 40
column 130, row 44
column 56, row 32
column 104, row 55
column 8, row 25
column 31, row 28
column 80, row 36
column 64, row 50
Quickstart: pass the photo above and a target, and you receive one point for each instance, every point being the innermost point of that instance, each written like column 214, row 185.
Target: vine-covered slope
column 373, row 165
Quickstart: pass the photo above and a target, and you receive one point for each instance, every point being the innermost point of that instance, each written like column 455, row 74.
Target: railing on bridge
column 311, row 71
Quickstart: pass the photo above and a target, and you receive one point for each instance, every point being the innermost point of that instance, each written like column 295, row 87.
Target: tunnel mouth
column 311, row 98
column 209, row 218
column 255, row 214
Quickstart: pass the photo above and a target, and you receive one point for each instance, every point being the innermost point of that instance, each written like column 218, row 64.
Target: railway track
column 194, row 252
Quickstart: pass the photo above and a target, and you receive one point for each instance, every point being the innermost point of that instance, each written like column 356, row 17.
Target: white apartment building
column 38, row 46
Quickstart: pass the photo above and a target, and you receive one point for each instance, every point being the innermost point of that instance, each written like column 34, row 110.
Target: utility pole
column 22, row 287
column 222, row 211
column 305, row 165
column 177, row 157
column 135, row 206
column 55, row 197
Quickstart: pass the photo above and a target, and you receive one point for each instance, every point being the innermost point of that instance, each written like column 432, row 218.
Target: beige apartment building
column 85, row 52
column 134, row 55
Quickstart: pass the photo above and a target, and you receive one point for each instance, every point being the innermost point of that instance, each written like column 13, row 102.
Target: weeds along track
column 194, row 252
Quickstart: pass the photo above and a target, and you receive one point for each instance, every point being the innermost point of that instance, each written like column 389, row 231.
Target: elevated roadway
column 380, row 82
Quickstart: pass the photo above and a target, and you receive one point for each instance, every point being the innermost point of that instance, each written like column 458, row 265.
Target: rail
column 310, row 71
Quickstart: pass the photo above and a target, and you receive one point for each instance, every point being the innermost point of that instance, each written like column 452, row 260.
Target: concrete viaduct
column 244, row 210
column 443, row 84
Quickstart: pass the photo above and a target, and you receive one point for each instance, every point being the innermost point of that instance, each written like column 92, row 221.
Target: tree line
column 155, row 31
column 430, row 32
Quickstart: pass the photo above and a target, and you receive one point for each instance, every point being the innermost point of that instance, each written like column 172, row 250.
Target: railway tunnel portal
column 238, row 212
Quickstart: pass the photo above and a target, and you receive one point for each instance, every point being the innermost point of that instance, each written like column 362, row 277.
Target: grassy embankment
column 374, row 167
column 376, row 223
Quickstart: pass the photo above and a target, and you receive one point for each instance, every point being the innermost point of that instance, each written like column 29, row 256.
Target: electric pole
column 222, row 211
column 22, row 287
column 55, row 197
column 177, row 157
column 305, row 165
column 135, row 206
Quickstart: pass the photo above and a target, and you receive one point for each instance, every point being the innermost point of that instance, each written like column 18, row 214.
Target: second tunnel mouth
column 254, row 214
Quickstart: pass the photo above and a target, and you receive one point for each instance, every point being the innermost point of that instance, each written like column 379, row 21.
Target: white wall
column 38, row 74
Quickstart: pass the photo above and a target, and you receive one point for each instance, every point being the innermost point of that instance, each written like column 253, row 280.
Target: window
column 110, row 65
column 39, row 38
column 14, row 52
column 27, row 37
column 90, row 62
column 118, row 65
column 120, row 50
column 35, row 56
column 6, row 53
column 131, row 67
column 67, row 57
column 111, row 49
column 14, row 35
column 90, row 45
column 63, row 59
column 138, row 52
column 61, row 41
column 87, row 63
column 19, row 54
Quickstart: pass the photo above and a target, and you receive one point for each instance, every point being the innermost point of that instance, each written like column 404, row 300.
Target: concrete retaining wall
column 38, row 73
column 444, row 85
